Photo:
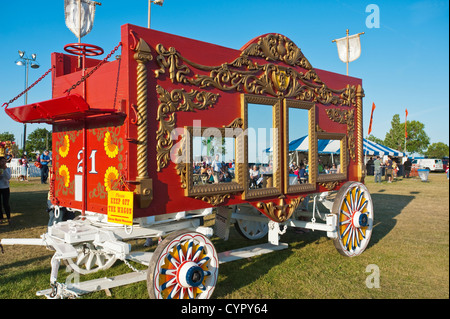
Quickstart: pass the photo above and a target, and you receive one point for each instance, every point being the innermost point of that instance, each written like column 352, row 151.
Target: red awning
column 62, row 108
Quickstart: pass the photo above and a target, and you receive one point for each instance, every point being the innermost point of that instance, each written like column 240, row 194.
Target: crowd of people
column 391, row 168
column 302, row 169
column 215, row 171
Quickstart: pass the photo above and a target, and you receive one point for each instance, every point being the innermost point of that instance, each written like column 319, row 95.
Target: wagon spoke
column 189, row 249
column 169, row 283
column 180, row 253
column 361, row 196
column 349, row 226
column 346, row 214
column 197, row 253
column 174, row 291
column 363, row 205
column 191, row 293
column 173, row 260
column 203, row 260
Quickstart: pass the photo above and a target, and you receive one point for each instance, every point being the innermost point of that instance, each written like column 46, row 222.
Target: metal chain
column 94, row 69
column 132, row 267
column 28, row 88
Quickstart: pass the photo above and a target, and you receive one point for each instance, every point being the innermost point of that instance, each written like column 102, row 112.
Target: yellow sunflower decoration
column 64, row 149
column 111, row 149
column 111, row 175
column 64, row 172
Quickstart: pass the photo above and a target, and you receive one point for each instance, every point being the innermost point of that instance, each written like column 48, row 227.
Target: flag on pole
column 406, row 115
column 349, row 48
column 371, row 118
column 79, row 16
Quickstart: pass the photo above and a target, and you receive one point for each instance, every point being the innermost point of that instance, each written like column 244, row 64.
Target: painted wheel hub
column 360, row 219
column 189, row 274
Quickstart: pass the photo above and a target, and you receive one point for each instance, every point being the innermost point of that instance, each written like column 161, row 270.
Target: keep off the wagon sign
column 120, row 207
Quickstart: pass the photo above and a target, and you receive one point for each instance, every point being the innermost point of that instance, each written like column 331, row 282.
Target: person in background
column 302, row 175
column 377, row 169
column 45, row 160
column 389, row 169
column 23, row 168
column 254, row 176
column 407, row 168
column 216, row 167
column 5, row 176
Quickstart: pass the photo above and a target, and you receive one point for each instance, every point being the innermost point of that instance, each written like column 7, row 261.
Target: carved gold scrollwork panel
column 345, row 117
column 170, row 103
column 244, row 75
column 282, row 211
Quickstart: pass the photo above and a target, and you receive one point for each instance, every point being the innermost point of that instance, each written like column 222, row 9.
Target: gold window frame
column 342, row 157
column 211, row 189
column 276, row 190
column 312, row 152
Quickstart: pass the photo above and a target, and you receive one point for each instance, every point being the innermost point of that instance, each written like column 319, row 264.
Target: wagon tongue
column 72, row 106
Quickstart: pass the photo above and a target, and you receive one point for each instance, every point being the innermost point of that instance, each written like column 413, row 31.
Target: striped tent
column 372, row 148
column 323, row 146
column 333, row 147
column 302, row 145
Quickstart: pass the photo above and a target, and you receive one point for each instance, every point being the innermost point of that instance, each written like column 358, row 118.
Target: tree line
column 37, row 141
column 417, row 140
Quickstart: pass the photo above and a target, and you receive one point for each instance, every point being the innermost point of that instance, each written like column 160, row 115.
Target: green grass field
column 409, row 246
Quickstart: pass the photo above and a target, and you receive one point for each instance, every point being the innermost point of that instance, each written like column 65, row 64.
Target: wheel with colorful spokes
column 185, row 265
column 354, row 209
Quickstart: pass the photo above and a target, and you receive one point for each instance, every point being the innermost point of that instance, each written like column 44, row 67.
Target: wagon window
column 211, row 165
column 329, row 151
column 332, row 157
column 262, row 148
column 260, row 145
column 299, row 155
column 214, row 158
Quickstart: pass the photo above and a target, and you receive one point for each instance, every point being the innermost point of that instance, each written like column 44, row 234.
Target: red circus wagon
column 173, row 129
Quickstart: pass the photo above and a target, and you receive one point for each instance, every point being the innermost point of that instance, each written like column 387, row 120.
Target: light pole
column 158, row 2
column 27, row 62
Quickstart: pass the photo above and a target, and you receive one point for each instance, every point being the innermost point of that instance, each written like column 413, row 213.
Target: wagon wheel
column 90, row 259
column 354, row 209
column 183, row 266
column 251, row 229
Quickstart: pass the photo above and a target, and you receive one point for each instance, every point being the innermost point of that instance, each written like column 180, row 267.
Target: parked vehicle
column 433, row 164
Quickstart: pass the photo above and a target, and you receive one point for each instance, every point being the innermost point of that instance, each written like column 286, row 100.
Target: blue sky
column 404, row 63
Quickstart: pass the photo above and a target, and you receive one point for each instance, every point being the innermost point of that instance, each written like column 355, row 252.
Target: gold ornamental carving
column 329, row 185
column 345, row 117
column 237, row 123
column 215, row 199
column 145, row 187
column 276, row 47
column 281, row 212
column 359, row 132
column 244, row 75
column 181, row 170
column 170, row 103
